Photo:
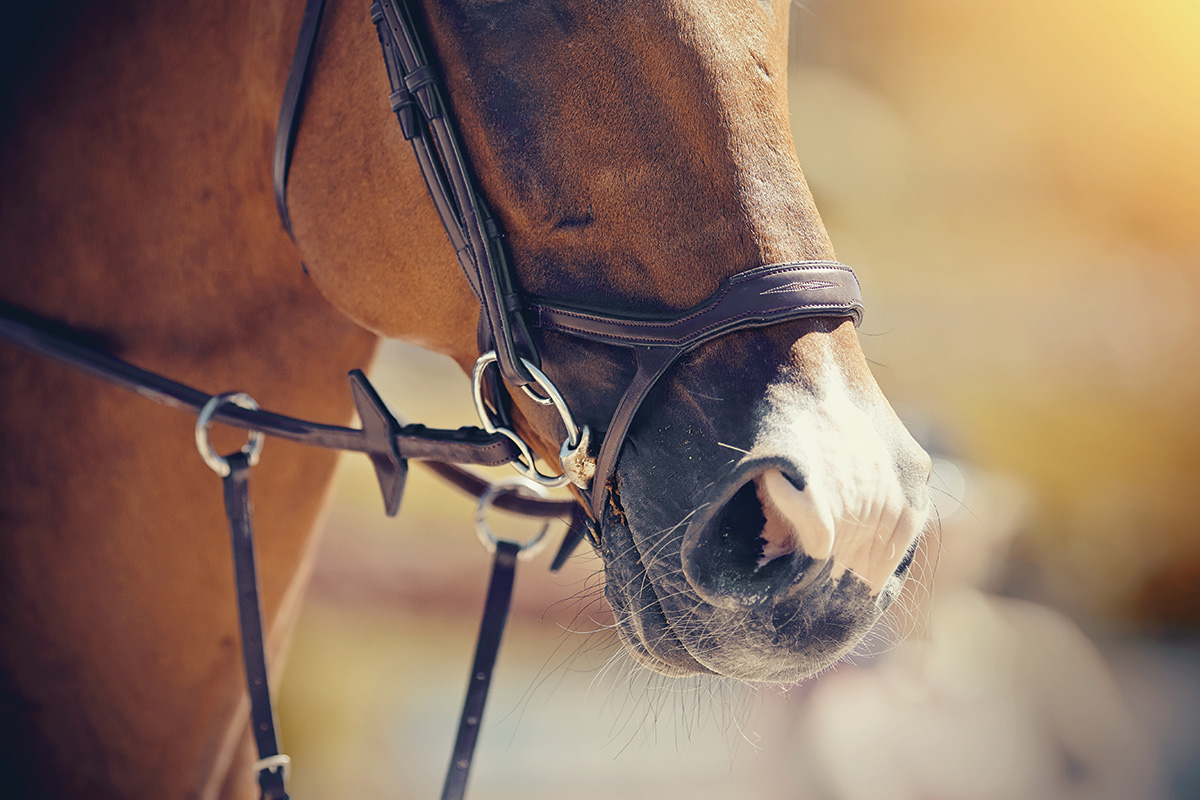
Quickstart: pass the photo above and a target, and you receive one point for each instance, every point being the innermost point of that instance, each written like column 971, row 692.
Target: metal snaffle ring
column 252, row 448
column 528, row 469
column 532, row 546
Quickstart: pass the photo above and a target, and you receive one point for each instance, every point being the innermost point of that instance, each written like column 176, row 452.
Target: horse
column 758, row 519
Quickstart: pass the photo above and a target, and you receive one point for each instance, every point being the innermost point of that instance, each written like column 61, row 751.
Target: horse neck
column 136, row 176
column 377, row 251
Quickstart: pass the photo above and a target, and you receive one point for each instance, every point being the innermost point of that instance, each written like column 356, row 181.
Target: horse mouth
column 755, row 593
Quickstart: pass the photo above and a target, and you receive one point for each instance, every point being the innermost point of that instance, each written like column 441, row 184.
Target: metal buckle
column 272, row 763
column 252, row 448
column 530, row 547
column 574, row 451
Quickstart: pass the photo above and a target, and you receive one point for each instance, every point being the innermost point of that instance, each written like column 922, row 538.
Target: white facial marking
column 852, row 509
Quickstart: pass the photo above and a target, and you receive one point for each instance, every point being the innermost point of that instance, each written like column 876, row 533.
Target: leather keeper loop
column 419, row 82
column 406, row 113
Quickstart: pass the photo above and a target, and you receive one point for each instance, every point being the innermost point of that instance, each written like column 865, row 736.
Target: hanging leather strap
column 487, row 647
column 271, row 764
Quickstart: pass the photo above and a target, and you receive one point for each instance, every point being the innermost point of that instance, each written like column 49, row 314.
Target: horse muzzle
column 777, row 577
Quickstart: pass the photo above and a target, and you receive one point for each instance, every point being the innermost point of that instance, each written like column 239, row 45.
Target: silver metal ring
column 534, row 396
column 481, row 409
column 547, row 386
column 252, row 448
column 483, row 531
column 528, row 469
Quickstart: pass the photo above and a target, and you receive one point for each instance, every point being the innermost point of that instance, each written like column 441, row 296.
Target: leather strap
column 487, row 647
column 419, row 102
column 254, row 656
column 293, row 99
column 761, row 296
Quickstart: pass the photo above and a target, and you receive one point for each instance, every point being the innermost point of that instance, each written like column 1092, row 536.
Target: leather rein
column 758, row 297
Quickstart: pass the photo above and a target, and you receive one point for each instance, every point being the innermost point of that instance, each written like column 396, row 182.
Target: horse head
column 766, row 501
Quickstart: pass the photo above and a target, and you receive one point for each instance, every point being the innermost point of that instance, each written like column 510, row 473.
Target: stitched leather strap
column 254, row 656
column 420, row 105
column 761, row 296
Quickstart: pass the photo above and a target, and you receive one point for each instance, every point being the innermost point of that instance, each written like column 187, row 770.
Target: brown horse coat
column 637, row 154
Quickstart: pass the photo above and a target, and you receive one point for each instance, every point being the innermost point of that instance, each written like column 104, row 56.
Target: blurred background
column 1017, row 185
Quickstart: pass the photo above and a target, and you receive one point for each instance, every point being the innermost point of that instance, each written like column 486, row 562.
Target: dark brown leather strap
column 419, row 102
column 254, row 655
column 487, row 647
column 293, row 99
column 761, row 296
column 388, row 442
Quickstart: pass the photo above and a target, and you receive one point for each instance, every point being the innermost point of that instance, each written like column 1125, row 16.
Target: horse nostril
column 739, row 554
column 777, row 536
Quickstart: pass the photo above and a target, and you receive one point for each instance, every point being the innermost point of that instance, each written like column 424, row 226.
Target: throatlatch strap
column 289, row 109
column 487, row 647
column 254, row 656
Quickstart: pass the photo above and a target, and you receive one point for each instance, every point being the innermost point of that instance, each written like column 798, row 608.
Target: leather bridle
column 758, row 297
column 764, row 295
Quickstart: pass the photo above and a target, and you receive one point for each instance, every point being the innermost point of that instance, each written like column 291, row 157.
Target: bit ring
column 527, row 468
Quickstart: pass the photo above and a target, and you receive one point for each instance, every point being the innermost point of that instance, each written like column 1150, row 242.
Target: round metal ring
column 556, row 398
column 528, row 468
column 487, row 537
column 252, row 448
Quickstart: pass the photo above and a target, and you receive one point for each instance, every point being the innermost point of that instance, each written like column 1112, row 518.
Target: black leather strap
column 487, row 647
column 254, row 656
